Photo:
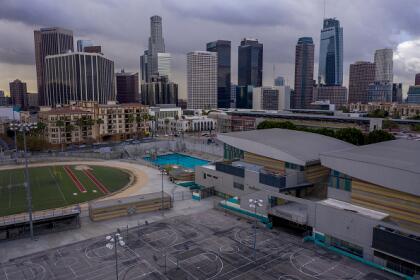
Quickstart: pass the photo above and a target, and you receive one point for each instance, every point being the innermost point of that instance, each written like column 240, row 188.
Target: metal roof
column 391, row 164
column 292, row 146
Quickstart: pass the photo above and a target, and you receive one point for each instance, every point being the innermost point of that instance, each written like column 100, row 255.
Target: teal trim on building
column 354, row 257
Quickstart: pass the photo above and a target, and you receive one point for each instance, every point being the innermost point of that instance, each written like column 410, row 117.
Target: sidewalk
column 18, row 248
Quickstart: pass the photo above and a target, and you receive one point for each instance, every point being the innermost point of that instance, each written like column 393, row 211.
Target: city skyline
column 283, row 24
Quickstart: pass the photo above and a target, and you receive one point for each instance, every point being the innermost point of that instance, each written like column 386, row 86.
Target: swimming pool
column 178, row 159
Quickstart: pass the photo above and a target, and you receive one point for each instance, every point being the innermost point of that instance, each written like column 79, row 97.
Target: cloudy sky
column 122, row 28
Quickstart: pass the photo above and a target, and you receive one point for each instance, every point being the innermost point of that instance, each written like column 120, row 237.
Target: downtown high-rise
column 250, row 63
column 330, row 70
column 149, row 61
column 78, row 76
column 304, row 73
column 18, row 94
column 223, row 50
column 49, row 41
column 384, row 66
column 362, row 74
column 202, row 80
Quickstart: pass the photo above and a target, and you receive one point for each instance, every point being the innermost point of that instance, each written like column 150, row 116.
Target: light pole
column 255, row 203
column 162, row 172
column 25, row 128
column 114, row 241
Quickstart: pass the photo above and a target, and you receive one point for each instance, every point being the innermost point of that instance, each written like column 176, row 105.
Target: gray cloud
column 122, row 28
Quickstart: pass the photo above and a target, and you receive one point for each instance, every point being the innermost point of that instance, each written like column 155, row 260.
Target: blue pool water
column 178, row 159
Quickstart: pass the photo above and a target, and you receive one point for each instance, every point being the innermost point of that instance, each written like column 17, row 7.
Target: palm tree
column 139, row 119
column 166, row 124
column 60, row 124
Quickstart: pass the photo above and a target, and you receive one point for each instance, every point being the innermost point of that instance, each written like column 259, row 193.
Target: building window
column 238, row 186
column 340, row 181
column 294, row 166
column 346, row 246
column 204, row 175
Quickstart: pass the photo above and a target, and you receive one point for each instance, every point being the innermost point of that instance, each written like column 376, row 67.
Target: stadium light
column 255, row 203
column 25, row 128
column 113, row 241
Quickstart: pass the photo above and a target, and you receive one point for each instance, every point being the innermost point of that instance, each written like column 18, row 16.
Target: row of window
column 340, row 181
column 205, row 175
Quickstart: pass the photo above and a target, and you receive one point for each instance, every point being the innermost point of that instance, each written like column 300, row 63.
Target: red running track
column 74, row 179
column 98, row 184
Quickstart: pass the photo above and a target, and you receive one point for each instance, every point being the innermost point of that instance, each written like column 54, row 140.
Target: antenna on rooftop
column 325, row 4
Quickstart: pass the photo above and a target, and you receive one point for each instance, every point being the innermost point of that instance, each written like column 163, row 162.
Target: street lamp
column 24, row 128
column 255, row 203
column 162, row 171
column 114, row 241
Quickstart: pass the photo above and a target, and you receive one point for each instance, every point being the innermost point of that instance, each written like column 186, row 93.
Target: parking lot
column 206, row 245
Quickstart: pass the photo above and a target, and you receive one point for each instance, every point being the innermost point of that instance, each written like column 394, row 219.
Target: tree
column 389, row 124
column 276, row 124
column 378, row 113
column 377, row 136
column 351, row 135
column 60, row 124
column 166, row 124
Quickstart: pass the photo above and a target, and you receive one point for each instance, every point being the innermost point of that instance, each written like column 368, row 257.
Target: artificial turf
column 51, row 187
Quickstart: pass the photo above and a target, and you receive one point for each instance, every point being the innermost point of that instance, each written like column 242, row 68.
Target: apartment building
column 86, row 122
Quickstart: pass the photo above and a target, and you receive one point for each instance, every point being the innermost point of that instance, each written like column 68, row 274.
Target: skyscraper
column 362, row 73
column 279, row 81
column 202, row 80
column 49, row 41
column 81, row 44
column 304, row 73
column 330, row 70
column 78, row 77
column 250, row 63
column 397, row 93
column 149, row 60
column 222, row 48
column 159, row 90
column 164, row 64
column 127, row 85
column 18, row 93
column 417, row 80
column 384, row 66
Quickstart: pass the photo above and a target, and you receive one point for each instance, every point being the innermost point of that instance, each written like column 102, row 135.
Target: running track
column 74, row 179
column 98, row 184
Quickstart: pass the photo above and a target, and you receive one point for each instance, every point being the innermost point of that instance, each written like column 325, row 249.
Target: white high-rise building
column 164, row 64
column 202, row 80
column 384, row 65
column 275, row 98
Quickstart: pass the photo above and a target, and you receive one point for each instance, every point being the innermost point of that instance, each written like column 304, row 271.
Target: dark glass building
column 127, row 87
column 304, row 73
column 397, row 93
column 159, row 91
column 330, row 70
column 250, row 63
column 244, row 97
column 222, row 48
column 49, row 41
column 18, row 93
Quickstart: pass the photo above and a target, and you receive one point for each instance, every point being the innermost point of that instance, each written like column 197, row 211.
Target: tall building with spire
column 330, row 70
column 49, row 41
column 152, row 60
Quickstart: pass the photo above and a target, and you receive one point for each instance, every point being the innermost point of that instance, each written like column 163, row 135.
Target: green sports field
column 57, row 186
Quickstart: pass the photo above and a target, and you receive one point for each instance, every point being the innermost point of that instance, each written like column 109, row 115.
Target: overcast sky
column 122, row 28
